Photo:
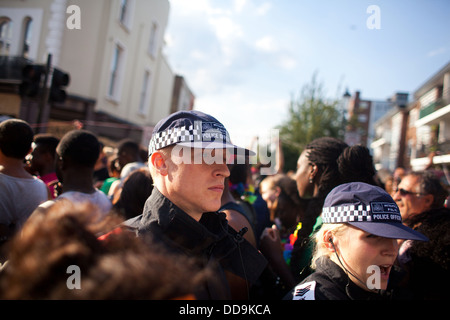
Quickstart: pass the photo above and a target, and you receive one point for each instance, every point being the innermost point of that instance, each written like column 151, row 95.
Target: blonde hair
column 320, row 248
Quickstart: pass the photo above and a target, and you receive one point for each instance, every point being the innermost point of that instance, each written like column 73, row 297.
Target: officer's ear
column 328, row 241
column 159, row 162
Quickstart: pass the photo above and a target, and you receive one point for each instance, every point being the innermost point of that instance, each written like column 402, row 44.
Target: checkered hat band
column 192, row 133
column 343, row 214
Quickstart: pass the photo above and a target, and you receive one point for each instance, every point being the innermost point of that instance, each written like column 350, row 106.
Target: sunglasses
column 404, row 193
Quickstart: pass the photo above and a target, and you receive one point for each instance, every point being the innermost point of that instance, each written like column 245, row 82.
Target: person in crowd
column 236, row 213
column 386, row 180
column 114, row 174
column 41, row 160
column 284, row 203
column 356, row 246
column 188, row 155
column 60, row 255
column 129, row 158
column 262, row 214
column 286, row 207
column 241, row 186
column 398, row 175
column 77, row 153
column 325, row 163
column 129, row 155
column 256, row 172
column 418, row 192
column 428, row 263
column 136, row 189
column 20, row 192
column 101, row 172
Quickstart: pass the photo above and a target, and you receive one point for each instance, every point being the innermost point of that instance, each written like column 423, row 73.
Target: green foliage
column 311, row 116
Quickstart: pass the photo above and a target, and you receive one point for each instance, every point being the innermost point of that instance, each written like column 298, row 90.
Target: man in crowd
column 418, row 192
column 20, row 192
column 77, row 153
column 42, row 160
column 188, row 163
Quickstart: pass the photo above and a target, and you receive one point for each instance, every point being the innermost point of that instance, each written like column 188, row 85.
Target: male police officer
column 188, row 155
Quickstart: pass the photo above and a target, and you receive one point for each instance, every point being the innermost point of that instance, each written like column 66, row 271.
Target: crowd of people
column 165, row 222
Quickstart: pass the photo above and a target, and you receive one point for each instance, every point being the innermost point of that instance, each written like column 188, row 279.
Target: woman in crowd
column 286, row 208
column 356, row 247
column 324, row 164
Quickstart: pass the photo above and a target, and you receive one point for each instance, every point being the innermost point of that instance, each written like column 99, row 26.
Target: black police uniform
column 330, row 282
column 210, row 240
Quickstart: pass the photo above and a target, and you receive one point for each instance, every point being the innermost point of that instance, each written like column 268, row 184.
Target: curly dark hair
column 356, row 164
column 337, row 163
column 118, row 266
column 324, row 153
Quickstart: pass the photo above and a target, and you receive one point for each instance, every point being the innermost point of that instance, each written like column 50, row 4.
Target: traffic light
column 60, row 79
column 31, row 80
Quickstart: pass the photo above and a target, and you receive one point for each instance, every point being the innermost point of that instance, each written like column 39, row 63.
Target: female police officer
column 356, row 246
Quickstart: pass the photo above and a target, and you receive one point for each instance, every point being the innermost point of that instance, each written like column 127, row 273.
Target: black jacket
column 210, row 240
column 330, row 282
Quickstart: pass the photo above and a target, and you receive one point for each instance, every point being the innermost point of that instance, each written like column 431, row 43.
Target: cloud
column 287, row 62
column 197, row 54
column 188, row 8
column 263, row 9
column 225, row 28
column 244, row 114
column 195, row 8
column 436, row 52
column 218, row 31
column 239, row 5
column 266, row 44
column 277, row 54
column 225, row 60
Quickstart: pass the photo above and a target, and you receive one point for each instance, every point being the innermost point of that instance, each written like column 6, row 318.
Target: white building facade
column 112, row 50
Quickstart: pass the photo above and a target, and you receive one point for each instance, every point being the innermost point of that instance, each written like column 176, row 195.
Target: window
column 428, row 98
column 153, row 40
column 27, row 37
column 5, row 35
column 145, row 93
column 125, row 13
column 363, row 105
column 115, row 73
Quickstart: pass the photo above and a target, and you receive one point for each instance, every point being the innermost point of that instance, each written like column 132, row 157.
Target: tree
column 310, row 116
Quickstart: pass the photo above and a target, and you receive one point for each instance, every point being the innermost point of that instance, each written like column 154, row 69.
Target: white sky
column 244, row 59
